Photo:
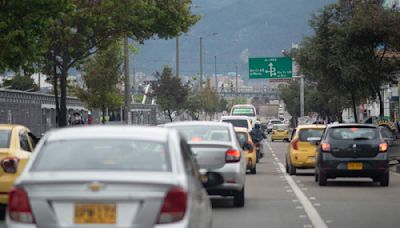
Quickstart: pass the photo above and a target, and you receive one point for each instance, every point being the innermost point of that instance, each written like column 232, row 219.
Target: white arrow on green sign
column 270, row 67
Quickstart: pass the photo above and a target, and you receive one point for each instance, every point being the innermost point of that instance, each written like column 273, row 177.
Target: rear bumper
column 234, row 178
column 279, row 137
column 338, row 167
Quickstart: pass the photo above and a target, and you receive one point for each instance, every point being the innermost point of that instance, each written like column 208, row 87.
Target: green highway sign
column 279, row 67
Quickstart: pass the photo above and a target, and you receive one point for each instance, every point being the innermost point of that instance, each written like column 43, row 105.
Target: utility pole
column 201, row 63
column 302, row 95
column 177, row 56
column 127, row 94
column 236, row 92
column 215, row 73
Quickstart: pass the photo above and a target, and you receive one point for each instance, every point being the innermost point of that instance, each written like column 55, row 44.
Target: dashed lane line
column 310, row 210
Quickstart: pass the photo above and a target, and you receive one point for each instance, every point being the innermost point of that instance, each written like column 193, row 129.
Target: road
column 276, row 200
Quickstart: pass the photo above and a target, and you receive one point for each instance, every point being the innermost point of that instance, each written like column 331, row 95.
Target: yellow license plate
column 354, row 166
column 95, row 213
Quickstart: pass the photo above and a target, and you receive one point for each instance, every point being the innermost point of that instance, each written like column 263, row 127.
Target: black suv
column 352, row 150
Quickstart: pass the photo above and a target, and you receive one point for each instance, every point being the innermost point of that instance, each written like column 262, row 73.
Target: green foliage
column 21, row 83
column 169, row 91
column 346, row 58
column 210, row 100
column 193, row 105
column 60, row 35
column 102, row 74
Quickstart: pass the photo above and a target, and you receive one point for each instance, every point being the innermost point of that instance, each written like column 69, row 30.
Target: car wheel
column 2, row 212
column 272, row 140
column 253, row 170
column 287, row 167
column 238, row 198
column 322, row 180
column 257, row 156
column 384, row 181
column 292, row 169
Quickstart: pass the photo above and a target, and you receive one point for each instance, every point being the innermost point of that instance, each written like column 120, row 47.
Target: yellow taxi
column 16, row 145
column 302, row 150
column 280, row 132
column 249, row 148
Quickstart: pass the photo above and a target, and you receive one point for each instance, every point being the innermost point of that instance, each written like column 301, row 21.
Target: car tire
column 238, row 198
column 2, row 212
column 322, row 180
column 272, row 140
column 384, row 181
column 316, row 176
column 253, row 170
column 257, row 156
column 287, row 167
column 292, row 169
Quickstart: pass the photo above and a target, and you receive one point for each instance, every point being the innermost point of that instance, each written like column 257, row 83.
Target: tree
column 169, row 92
column 209, row 100
column 102, row 74
column 193, row 105
column 23, row 28
column 345, row 56
column 74, row 30
column 21, row 83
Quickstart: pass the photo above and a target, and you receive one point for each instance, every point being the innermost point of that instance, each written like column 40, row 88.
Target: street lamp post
column 201, row 63
column 201, row 57
column 177, row 56
column 215, row 73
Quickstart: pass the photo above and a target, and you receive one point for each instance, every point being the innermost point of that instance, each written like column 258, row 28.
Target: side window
column 24, row 141
column 189, row 162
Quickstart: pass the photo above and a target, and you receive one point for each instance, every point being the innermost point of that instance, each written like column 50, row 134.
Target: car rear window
column 103, row 155
column 280, row 127
column 237, row 123
column 242, row 137
column 243, row 112
column 5, row 136
column 204, row 133
column 275, row 122
column 354, row 133
column 386, row 133
column 304, row 134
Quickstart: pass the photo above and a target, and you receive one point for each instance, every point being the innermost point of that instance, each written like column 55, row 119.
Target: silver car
column 111, row 177
column 217, row 149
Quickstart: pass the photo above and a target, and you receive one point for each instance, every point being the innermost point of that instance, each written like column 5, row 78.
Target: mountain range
column 244, row 28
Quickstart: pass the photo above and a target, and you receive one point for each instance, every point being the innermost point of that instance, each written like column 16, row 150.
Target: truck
column 268, row 111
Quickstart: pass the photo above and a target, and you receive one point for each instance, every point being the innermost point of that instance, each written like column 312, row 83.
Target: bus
column 245, row 110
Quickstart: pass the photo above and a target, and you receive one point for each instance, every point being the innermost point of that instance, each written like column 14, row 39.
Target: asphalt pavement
column 276, row 200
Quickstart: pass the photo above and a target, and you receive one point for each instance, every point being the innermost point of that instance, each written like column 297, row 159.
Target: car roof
column 352, row 125
column 82, row 132
column 306, row 126
column 10, row 126
column 243, row 105
column 196, row 123
column 241, row 129
column 235, row 118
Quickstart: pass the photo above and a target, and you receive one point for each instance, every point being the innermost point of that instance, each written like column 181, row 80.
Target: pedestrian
column 77, row 119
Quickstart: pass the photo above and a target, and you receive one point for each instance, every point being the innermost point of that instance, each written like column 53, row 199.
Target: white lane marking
column 299, row 207
column 302, row 216
column 317, row 204
column 310, row 210
column 295, row 201
column 312, row 198
column 328, row 221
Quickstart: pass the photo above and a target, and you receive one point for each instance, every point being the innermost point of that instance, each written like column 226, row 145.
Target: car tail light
column 295, row 144
column 174, row 206
column 19, row 208
column 232, row 156
column 325, row 147
column 383, row 147
column 10, row 164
